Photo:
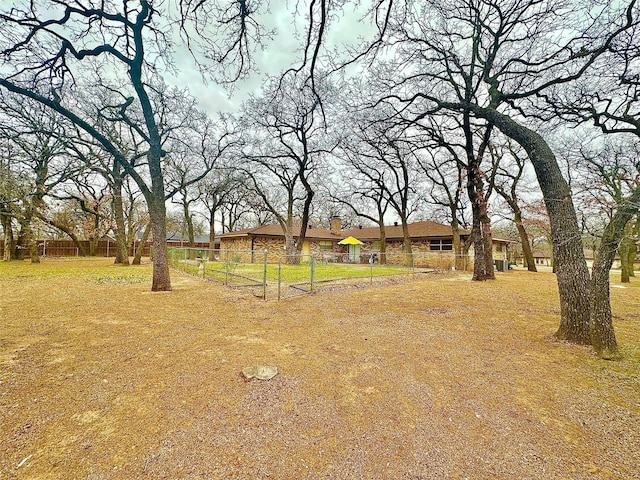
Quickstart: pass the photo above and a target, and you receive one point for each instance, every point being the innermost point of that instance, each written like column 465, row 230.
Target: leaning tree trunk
column 602, row 333
column 624, row 251
column 137, row 258
column 570, row 265
column 527, row 252
column 627, row 252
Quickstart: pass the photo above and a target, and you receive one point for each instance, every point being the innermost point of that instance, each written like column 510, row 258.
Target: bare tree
column 461, row 146
column 286, row 152
column 217, row 191
column 365, row 196
column 39, row 145
column 508, row 175
column 473, row 59
column 14, row 192
column 51, row 46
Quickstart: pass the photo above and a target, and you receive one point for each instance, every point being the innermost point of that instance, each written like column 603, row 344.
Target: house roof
column 416, row 230
column 178, row 237
column 275, row 230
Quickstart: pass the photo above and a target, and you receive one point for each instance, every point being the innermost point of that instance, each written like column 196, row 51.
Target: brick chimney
column 336, row 225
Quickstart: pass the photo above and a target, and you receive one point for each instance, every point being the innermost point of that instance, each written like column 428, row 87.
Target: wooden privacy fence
column 104, row 248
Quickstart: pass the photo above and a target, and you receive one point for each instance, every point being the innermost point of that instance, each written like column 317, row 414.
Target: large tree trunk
column 383, row 242
column 22, row 243
column 478, row 246
column 161, row 281
column 481, row 226
column 631, row 259
column 633, row 251
column 305, row 211
column 212, row 237
column 26, row 239
column 481, row 236
column 191, row 237
column 155, row 196
column 487, row 238
column 290, row 248
column 8, row 237
column 570, row 265
column 34, row 255
column 122, row 247
column 626, row 262
column 457, row 245
column 406, row 244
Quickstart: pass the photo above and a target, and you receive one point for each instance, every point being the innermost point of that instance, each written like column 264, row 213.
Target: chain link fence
column 294, row 275
column 242, row 268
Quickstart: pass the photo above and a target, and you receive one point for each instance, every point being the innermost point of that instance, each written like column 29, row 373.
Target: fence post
column 313, row 271
column 279, row 276
column 264, row 277
column 371, row 261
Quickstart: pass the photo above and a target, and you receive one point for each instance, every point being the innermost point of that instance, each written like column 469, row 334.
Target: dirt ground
column 436, row 377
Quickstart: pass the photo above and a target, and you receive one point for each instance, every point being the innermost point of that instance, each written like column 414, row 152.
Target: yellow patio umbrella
column 350, row 241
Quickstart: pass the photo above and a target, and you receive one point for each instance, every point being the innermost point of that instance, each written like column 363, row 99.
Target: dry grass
column 428, row 379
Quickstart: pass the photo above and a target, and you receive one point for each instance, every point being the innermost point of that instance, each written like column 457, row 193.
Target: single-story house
column 271, row 239
column 427, row 238
column 542, row 256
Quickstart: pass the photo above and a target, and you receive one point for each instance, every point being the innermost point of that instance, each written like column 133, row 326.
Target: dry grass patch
column 434, row 378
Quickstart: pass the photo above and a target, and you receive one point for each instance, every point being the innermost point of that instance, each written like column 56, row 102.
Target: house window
column 440, row 245
column 326, row 245
column 498, row 247
column 375, row 246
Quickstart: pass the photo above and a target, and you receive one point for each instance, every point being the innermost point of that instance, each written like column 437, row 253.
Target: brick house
column 426, row 238
column 271, row 239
